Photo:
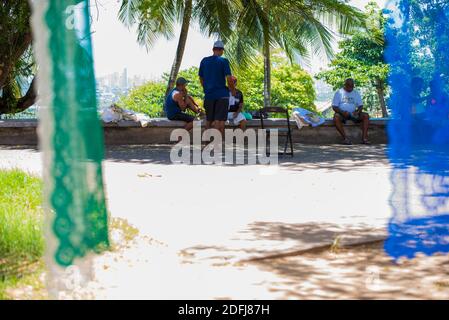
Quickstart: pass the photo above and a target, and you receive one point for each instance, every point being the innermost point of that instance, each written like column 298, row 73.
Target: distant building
column 112, row 87
column 124, row 79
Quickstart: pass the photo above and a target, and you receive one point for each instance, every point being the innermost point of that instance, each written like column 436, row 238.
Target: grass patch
column 21, row 226
column 22, row 237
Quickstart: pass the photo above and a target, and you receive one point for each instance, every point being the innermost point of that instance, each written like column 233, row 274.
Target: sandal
column 366, row 142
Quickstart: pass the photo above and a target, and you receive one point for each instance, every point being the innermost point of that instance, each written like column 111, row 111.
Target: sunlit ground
column 199, row 226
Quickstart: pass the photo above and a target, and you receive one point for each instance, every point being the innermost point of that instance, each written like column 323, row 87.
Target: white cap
column 219, row 44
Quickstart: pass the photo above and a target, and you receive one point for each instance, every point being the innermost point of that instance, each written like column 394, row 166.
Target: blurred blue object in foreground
column 417, row 47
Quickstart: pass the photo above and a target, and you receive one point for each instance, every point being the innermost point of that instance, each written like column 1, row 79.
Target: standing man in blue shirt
column 214, row 73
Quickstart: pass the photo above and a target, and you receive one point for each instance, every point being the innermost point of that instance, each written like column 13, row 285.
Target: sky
column 116, row 47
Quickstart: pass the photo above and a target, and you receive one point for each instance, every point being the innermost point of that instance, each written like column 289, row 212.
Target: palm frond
column 128, row 12
column 154, row 18
column 215, row 17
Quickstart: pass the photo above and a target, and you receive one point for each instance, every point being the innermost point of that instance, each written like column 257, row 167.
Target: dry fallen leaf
column 148, row 175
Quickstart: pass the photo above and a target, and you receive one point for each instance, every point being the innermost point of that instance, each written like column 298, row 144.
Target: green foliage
column 156, row 19
column 291, row 85
column 149, row 98
column 21, row 225
column 14, row 21
column 20, row 214
column 425, row 40
column 297, row 27
column 361, row 57
column 194, row 87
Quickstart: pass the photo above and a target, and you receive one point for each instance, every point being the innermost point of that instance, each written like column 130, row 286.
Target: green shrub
column 148, row 99
column 291, row 85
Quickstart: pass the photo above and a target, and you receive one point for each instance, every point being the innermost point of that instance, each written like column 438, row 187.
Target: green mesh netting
column 70, row 131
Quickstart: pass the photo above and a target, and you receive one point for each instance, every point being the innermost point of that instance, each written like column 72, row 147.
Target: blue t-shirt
column 214, row 70
column 171, row 106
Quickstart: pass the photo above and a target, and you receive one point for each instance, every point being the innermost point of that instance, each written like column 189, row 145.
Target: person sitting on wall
column 235, row 115
column 348, row 105
column 178, row 101
column 418, row 98
column 438, row 99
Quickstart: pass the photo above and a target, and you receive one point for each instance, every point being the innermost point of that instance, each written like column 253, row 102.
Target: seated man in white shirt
column 348, row 105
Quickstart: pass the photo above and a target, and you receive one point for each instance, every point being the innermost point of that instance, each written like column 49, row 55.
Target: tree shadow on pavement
column 329, row 157
column 139, row 154
column 19, row 147
column 343, row 271
column 335, row 157
column 357, row 273
column 260, row 240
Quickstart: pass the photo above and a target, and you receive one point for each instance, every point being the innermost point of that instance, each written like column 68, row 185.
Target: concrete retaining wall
column 23, row 132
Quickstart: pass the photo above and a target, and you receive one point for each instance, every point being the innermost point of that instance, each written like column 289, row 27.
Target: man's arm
column 201, row 73
column 337, row 109
column 180, row 100
column 192, row 101
column 336, row 105
column 241, row 102
column 193, row 105
column 236, row 113
column 240, row 107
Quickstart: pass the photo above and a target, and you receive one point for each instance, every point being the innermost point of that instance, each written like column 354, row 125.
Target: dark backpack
column 258, row 115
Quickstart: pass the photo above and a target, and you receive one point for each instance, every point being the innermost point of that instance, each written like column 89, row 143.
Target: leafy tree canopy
column 361, row 57
column 292, row 87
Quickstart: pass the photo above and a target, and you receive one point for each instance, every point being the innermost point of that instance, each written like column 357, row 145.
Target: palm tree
column 299, row 27
column 158, row 18
column 17, row 65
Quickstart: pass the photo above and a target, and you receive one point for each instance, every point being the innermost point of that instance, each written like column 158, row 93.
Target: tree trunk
column 8, row 106
column 267, row 72
column 181, row 46
column 381, row 95
column 16, row 39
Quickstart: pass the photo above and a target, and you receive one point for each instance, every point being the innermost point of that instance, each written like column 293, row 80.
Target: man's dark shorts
column 181, row 116
column 350, row 118
column 217, row 110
